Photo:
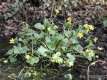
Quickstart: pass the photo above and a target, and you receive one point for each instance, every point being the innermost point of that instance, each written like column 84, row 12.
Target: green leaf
column 54, row 42
column 65, row 43
column 39, row 26
column 71, row 57
column 70, row 60
column 46, row 22
column 12, row 59
column 33, row 60
column 89, row 54
column 67, row 34
column 74, row 40
column 42, row 51
column 16, row 50
column 20, row 50
column 68, row 76
column 105, row 23
column 78, row 48
column 10, row 52
column 36, row 35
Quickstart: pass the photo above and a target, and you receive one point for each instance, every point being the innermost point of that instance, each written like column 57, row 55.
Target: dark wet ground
column 9, row 72
column 37, row 15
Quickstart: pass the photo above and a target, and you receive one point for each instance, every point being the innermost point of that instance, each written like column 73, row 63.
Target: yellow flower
column 29, row 53
column 90, row 53
column 56, row 11
column 12, row 41
column 69, row 23
column 91, row 27
column 69, row 63
column 80, row 34
column 27, row 56
column 49, row 29
column 88, row 50
column 100, row 48
column 56, row 58
column 97, row 56
column 69, row 19
column 88, row 27
column 95, row 39
column 85, row 26
column 5, row 61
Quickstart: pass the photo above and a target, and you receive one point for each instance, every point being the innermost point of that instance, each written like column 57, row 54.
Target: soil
column 9, row 72
column 33, row 14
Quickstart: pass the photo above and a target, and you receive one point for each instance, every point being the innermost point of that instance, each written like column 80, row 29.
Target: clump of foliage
column 44, row 41
column 33, row 73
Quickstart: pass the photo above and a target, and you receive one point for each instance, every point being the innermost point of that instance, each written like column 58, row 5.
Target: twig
column 20, row 73
column 53, row 5
column 88, row 70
